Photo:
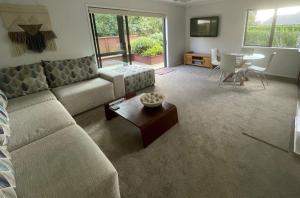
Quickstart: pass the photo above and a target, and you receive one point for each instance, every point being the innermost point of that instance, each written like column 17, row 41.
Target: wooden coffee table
column 152, row 122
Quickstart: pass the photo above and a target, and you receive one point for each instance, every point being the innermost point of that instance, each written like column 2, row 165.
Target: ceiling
column 188, row 2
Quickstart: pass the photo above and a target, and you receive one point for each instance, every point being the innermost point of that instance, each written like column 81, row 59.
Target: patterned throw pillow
column 3, row 99
column 4, row 154
column 65, row 72
column 4, row 134
column 6, row 165
column 7, row 179
column 4, row 127
column 22, row 80
column 7, row 183
column 8, row 193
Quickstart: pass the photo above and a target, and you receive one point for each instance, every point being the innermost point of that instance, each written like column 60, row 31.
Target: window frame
column 272, row 32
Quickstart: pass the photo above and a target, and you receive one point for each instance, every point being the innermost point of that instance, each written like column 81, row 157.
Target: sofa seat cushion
column 23, row 80
column 29, row 100
column 83, row 96
column 37, row 121
column 66, row 164
column 65, row 72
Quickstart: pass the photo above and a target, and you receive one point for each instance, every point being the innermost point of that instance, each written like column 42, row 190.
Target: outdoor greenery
column 158, row 37
column 107, row 25
column 148, row 29
column 144, row 26
column 147, row 46
column 285, row 35
column 258, row 34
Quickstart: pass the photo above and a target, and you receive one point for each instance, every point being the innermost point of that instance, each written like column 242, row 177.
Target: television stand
column 198, row 59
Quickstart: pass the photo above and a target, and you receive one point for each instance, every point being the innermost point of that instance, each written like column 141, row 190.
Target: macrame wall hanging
column 29, row 27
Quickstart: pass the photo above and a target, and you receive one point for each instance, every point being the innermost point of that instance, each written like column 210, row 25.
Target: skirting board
column 282, row 76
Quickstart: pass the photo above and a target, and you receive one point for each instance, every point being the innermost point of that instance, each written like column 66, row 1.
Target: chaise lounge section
column 65, row 164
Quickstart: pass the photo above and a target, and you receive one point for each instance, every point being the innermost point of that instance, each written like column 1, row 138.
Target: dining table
column 246, row 60
column 249, row 57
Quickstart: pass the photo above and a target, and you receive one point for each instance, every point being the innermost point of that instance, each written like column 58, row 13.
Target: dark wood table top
column 135, row 112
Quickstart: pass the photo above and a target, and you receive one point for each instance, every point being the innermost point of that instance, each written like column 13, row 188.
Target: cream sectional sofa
column 52, row 156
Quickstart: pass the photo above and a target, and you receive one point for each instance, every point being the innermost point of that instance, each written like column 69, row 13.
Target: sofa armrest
column 117, row 80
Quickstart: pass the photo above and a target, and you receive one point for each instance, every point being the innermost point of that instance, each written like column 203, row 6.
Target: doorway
column 129, row 40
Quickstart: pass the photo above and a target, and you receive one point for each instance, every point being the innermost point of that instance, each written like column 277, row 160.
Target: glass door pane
column 146, row 35
column 110, row 31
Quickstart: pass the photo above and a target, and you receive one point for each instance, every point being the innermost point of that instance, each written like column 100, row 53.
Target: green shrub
column 142, row 44
column 158, row 37
column 145, row 46
column 157, row 49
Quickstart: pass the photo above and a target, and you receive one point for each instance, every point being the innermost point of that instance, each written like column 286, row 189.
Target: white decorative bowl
column 152, row 100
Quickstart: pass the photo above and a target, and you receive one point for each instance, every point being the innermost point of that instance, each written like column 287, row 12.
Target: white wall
column 70, row 23
column 232, row 24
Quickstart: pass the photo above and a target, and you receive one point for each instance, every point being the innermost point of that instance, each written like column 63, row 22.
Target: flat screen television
column 205, row 27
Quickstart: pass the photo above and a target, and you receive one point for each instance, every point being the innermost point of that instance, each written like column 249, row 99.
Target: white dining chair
column 228, row 65
column 260, row 71
column 215, row 61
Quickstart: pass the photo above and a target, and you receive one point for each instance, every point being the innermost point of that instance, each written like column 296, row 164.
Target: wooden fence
column 112, row 43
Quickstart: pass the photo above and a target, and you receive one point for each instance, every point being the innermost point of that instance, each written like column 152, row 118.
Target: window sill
column 280, row 48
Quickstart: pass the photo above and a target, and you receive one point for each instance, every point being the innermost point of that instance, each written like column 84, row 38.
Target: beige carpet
column 206, row 155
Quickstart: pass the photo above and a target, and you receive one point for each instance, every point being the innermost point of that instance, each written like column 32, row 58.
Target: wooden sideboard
column 201, row 60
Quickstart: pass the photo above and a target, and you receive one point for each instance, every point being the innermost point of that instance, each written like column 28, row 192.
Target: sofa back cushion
column 65, row 72
column 22, row 80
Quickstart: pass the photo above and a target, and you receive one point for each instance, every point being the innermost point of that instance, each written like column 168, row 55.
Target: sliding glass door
column 129, row 39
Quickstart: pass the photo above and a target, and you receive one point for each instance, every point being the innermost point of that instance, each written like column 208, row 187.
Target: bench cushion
column 29, row 100
column 22, row 80
column 66, row 164
column 85, row 95
column 135, row 77
column 37, row 121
